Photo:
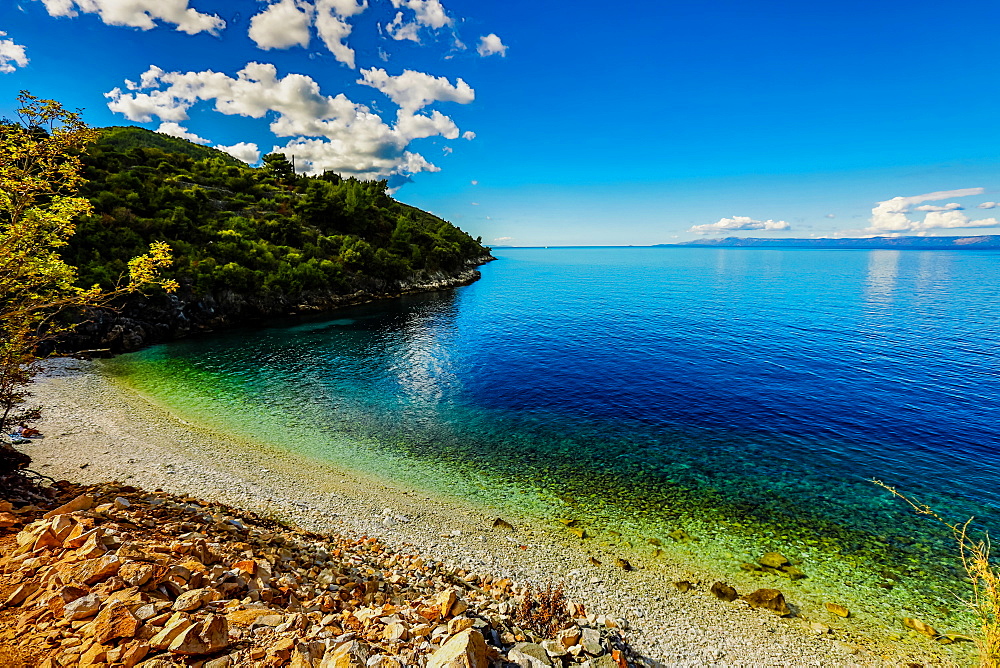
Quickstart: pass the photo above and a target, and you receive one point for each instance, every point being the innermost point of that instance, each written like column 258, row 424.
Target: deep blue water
column 767, row 384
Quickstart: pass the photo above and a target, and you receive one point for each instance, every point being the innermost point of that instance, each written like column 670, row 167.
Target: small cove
column 743, row 396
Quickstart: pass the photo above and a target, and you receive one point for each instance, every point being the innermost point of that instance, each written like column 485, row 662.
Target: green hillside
column 123, row 138
column 262, row 232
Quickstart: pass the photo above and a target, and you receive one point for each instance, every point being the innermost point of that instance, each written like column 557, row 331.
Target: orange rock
column 82, row 502
column 89, row 571
column 465, row 650
column 133, row 654
column 174, row 627
column 445, row 600
column 769, row 599
column 248, row 566
column 459, row 624
column 97, row 654
column 45, row 539
column 115, row 621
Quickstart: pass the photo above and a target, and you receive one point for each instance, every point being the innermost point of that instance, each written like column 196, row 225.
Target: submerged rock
column 838, row 609
column 920, row 627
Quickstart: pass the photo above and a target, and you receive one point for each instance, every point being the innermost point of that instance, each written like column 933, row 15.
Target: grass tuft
column 975, row 556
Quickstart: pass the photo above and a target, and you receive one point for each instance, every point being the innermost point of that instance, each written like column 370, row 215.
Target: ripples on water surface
column 638, row 385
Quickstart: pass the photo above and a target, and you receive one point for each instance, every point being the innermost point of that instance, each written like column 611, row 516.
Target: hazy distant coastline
column 984, row 242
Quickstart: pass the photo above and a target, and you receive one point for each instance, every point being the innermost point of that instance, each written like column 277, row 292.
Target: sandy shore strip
column 97, row 431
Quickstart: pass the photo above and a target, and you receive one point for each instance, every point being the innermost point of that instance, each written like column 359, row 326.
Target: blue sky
column 533, row 123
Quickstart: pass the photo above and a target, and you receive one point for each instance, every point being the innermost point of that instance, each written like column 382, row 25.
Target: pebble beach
column 97, row 431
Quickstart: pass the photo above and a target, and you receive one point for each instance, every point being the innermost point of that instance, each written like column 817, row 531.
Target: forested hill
column 248, row 242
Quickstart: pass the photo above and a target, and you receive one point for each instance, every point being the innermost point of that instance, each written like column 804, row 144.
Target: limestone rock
column 554, row 648
column 82, row 502
column 569, row 637
column 819, row 628
column 590, row 639
column 769, row 599
column 459, row 624
column 194, row 599
column 174, row 627
column 82, row 608
column 351, row 654
column 115, row 621
column 133, row 654
column 90, row 571
column 137, row 573
column 533, row 650
column 465, row 650
column 445, row 600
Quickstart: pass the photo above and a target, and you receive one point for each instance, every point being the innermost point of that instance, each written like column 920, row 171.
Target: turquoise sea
column 745, row 396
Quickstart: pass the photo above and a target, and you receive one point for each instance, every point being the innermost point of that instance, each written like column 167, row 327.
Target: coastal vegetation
column 263, row 231
column 40, row 177
column 974, row 554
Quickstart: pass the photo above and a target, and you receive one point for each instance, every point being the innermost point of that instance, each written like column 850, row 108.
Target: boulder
column 769, row 599
column 89, row 571
column 465, row 650
column 724, row 592
column 115, row 621
column 194, row 599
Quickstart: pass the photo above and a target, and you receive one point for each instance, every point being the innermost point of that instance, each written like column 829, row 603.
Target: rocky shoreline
column 143, row 320
column 119, row 577
column 97, row 431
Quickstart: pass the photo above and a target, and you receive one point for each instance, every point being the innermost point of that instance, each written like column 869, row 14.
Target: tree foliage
column 262, row 232
column 40, row 174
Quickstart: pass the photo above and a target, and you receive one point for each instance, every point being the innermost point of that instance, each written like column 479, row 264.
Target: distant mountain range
column 985, row 242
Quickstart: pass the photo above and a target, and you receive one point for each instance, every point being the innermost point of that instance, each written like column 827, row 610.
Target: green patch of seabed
column 899, row 565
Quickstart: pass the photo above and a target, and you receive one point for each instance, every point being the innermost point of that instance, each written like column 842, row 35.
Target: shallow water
column 744, row 395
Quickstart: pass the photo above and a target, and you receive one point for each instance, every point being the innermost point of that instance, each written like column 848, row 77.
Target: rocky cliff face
column 142, row 320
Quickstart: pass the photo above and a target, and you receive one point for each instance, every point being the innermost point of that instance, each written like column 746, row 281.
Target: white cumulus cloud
column 288, row 23
column 333, row 28
column 415, row 90
column 12, row 55
column 326, row 132
column 988, row 205
column 892, row 216
column 400, row 30
column 426, row 14
column 282, row 25
column 429, row 13
column 176, row 130
column 740, row 223
column 247, row 152
column 491, row 44
column 143, row 14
